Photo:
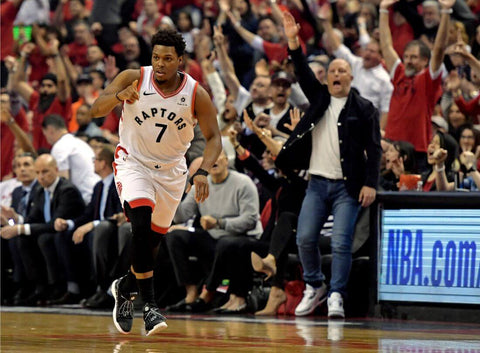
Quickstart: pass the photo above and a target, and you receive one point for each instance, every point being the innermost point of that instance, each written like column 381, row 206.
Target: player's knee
column 140, row 218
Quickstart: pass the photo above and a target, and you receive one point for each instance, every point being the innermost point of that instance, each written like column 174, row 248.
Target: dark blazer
column 112, row 206
column 67, row 203
column 17, row 195
column 358, row 132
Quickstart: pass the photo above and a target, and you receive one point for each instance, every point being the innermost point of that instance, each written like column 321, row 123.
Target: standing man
column 416, row 88
column 338, row 141
column 161, row 106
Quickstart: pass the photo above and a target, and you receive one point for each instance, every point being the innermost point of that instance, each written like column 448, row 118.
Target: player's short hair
column 169, row 38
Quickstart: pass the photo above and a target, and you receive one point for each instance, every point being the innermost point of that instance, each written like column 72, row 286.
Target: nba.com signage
column 430, row 255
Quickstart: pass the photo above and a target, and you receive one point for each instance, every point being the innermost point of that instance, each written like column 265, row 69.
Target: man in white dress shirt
column 74, row 156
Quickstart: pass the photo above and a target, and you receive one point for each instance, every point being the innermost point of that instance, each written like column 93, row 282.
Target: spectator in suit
column 57, row 198
column 22, row 198
column 97, row 226
column 74, row 156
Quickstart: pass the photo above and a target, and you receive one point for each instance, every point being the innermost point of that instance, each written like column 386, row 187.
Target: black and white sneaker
column 123, row 312
column 154, row 321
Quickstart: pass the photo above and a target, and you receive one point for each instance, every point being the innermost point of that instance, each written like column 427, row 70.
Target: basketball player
column 161, row 106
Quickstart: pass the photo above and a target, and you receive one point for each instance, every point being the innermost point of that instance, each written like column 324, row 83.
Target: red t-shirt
column 401, row 36
column 411, row 107
column 39, row 65
column 78, row 54
column 8, row 12
column 7, row 142
column 65, row 110
column 278, row 52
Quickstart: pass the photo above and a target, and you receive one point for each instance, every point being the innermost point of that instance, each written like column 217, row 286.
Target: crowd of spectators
column 417, row 62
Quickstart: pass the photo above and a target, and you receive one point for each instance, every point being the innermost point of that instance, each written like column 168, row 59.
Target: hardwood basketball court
column 78, row 330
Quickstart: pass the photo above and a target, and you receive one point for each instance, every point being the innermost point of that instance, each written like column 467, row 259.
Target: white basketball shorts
column 161, row 188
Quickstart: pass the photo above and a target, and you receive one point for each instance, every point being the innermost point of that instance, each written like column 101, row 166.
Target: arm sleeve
column 257, row 43
column 343, row 52
column 242, row 100
column 218, row 90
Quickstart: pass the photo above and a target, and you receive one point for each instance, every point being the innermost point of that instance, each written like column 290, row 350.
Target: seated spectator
column 229, row 215
column 73, row 156
column 455, row 119
column 278, row 239
column 442, row 153
column 469, row 158
column 97, row 226
column 22, row 199
column 400, row 160
column 57, row 198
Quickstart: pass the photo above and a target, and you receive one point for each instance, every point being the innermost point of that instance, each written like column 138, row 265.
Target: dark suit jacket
column 67, row 203
column 112, row 206
column 17, row 195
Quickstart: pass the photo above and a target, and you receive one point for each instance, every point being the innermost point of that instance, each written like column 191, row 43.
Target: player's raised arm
column 122, row 88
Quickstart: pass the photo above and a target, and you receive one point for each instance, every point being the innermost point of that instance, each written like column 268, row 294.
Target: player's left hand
column 201, row 187
column 367, row 196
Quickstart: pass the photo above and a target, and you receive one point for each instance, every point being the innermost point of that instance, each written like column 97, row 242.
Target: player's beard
column 46, row 101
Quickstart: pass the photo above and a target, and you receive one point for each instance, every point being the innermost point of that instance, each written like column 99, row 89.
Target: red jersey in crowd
column 8, row 142
column 411, row 107
column 64, row 110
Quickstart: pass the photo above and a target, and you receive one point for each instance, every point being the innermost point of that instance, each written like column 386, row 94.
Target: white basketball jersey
column 157, row 129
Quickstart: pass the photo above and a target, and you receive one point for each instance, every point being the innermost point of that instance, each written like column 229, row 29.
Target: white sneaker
column 312, row 297
column 335, row 305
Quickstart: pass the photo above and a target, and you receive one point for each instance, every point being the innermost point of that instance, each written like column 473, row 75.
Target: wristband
column 448, row 11
column 441, row 169
column 198, row 172
column 116, row 96
column 383, row 11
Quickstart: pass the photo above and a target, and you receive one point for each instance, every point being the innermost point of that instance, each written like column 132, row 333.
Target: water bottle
column 419, row 185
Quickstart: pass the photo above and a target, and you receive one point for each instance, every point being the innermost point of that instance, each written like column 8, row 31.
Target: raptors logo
column 119, row 188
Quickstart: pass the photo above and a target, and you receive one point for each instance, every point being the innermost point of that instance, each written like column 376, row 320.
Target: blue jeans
column 325, row 197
